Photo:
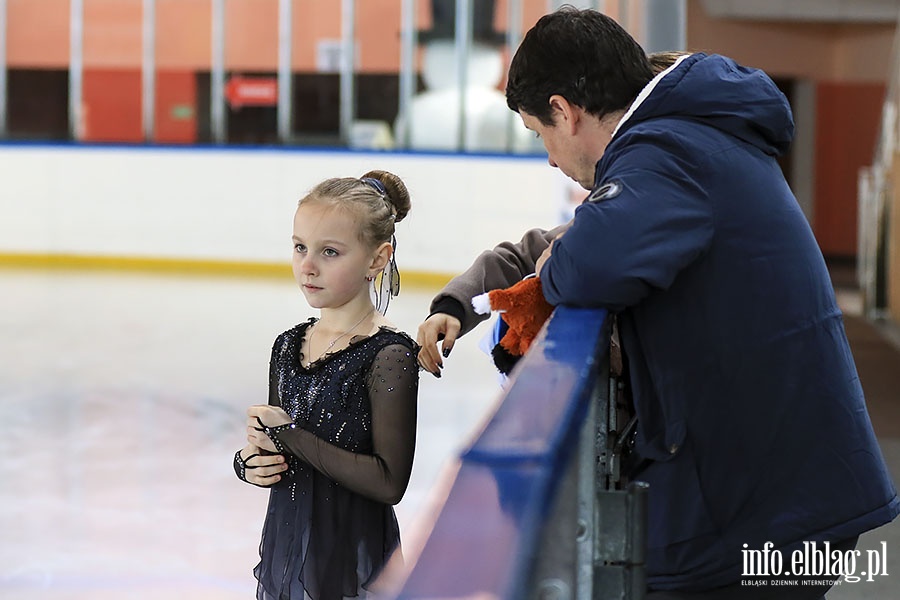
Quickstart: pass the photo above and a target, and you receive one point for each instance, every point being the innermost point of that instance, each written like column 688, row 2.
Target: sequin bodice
column 329, row 398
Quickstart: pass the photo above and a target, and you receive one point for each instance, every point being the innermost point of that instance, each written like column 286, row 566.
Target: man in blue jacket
column 751, row 417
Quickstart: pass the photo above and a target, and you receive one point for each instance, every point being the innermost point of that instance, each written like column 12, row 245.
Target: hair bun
column 397, row 194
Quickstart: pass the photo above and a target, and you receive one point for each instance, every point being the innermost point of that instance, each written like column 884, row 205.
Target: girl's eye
column 329, row 252
column 299, row 248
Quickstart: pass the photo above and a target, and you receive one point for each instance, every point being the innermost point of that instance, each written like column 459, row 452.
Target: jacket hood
column 741, row 101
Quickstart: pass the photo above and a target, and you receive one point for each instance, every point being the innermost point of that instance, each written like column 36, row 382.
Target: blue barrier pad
column 485, row 537
column 477, row 536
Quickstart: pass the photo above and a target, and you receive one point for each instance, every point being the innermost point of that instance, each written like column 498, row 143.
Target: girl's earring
column 370, row 278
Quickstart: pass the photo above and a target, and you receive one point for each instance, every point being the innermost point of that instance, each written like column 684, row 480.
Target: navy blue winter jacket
column 749, row 404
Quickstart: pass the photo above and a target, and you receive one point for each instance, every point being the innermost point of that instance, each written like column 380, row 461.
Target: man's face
column 565, row 150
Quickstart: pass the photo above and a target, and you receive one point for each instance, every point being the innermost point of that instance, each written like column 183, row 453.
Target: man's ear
column 565, row 114
column 381, row 258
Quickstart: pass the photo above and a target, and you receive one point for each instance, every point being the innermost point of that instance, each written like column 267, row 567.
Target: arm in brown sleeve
column 392, row 384
column 505, row 265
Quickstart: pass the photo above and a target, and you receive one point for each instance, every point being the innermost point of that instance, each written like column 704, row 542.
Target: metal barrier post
column 621, row 515
column 76, row 69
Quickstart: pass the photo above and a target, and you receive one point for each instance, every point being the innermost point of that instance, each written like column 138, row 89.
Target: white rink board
column 236, row 204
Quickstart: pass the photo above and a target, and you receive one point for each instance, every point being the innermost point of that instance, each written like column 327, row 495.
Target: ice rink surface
column 122, row 400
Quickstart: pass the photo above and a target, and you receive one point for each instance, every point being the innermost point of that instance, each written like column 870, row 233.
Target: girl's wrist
column 272, row 433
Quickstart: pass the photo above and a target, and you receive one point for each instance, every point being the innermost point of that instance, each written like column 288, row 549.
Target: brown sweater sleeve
column 392, row 384
column 505, row 265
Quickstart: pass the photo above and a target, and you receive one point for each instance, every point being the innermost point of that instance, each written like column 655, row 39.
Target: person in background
column 752, row 426
column 335, row 442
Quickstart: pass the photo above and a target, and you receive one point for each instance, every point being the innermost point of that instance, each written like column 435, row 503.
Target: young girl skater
column 335, row 442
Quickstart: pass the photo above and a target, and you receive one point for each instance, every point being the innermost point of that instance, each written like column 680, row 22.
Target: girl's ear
column 381, row 257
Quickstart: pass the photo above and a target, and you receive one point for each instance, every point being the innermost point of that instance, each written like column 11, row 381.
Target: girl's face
column 330, row 262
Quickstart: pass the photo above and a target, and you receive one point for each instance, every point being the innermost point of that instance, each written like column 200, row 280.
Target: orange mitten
column 524, row 310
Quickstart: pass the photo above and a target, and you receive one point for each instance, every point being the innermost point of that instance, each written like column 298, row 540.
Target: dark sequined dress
column 330, row 525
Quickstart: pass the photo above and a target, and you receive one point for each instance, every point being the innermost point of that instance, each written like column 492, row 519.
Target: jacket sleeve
column 505, row 265
column 621, row 248
column 383, row 475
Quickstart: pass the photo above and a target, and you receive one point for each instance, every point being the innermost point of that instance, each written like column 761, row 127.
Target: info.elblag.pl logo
column 816, row 560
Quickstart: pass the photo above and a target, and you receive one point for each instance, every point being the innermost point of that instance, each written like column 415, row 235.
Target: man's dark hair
column 582, row 55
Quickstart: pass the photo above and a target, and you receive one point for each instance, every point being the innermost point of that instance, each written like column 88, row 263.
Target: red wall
column 112, row 105
column 176, row 92
column 847, row 124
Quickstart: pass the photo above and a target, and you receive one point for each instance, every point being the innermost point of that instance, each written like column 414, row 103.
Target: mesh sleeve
column 392, row 384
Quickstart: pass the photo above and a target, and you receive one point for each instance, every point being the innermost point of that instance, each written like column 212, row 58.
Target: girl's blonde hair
column 377, row 207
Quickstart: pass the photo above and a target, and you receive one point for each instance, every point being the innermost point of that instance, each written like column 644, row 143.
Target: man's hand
column 429, row 332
